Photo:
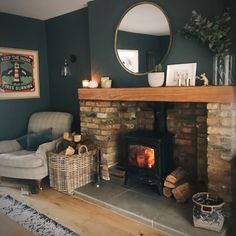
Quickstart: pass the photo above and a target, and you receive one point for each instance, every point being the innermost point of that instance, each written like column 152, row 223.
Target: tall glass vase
column 223, row 70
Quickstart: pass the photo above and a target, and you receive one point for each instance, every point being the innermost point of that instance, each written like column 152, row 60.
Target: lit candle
column 85, row 83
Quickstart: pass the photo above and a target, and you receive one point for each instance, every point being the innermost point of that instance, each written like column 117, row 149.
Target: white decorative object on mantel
column 106, row 82
column 180, row 73
column 85, row 83
column 103, row 81
column 156, row 79
column 93, row 84
column 204, row 79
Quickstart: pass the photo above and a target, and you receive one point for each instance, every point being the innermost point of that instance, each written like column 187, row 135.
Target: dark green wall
column 25, row 33
column 66, row 35
column 144, row 44
column 89, row 34
column 104, row 16
column 231, row 4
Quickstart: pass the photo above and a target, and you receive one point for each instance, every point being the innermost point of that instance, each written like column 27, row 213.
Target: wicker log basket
column 208, row 211
column 68, row 173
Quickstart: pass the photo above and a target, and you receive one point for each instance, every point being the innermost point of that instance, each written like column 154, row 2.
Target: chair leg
column 38, row 184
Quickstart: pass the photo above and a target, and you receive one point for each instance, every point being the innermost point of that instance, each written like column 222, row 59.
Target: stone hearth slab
column 145, row 205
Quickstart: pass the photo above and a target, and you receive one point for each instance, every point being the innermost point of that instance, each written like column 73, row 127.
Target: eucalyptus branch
column 214, row 33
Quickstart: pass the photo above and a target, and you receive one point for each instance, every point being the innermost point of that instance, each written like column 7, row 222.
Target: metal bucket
column 208, row 211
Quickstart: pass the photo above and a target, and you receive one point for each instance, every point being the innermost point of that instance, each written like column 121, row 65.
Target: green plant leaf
column 215, row 33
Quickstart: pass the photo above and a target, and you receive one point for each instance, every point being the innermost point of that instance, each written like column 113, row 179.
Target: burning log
column 145, row 157
column 183, row 192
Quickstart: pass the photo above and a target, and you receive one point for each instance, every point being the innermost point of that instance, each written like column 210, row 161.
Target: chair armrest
column 7, row 146
column 47, row 147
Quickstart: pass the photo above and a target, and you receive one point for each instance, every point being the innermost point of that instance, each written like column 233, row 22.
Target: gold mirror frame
column 117, row 29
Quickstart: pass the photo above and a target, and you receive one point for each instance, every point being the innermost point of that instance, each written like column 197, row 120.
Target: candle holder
column 103, row 81
column 106, row 82
column 85, row 83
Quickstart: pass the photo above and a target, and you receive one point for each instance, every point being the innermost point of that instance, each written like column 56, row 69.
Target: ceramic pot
column 156, row 79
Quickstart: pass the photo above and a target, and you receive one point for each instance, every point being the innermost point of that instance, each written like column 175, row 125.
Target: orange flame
column 151, row 158
column 145, row 157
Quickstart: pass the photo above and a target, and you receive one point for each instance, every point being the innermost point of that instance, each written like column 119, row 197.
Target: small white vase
column 156, row 79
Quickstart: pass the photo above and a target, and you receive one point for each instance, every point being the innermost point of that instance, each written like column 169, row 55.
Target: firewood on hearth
column 167, row 192
column 176, row 175
column 183, row 192
column 171, row 185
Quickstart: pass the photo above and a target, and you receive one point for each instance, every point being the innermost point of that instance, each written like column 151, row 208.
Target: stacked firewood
column 176, row 184
column 70, row 144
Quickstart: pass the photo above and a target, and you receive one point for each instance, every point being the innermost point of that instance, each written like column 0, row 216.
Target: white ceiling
column 144, row 18
column 41, row 9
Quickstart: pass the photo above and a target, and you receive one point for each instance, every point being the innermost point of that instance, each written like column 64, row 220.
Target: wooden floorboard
column 9, row 228
column 80, row 216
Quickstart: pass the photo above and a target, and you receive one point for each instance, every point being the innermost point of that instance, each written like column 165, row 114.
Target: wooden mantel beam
column 208, row 94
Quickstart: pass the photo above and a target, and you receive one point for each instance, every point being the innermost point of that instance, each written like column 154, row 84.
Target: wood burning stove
column 148, row 154
column 149, row 157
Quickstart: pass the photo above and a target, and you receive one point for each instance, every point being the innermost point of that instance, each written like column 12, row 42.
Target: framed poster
column 181, row 72
column 19, row 74
column 129, row 59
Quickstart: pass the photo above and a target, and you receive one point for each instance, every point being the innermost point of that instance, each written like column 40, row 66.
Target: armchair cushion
column 9, row 146
column 35, row 139
column 22, row 141
column 21, row 159
column 32, row 141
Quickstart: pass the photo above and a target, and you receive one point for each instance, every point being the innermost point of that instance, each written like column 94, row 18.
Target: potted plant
column 156, row 77
column 214, row 33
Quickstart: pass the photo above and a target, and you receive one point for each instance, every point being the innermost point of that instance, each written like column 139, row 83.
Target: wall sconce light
column 65, row 70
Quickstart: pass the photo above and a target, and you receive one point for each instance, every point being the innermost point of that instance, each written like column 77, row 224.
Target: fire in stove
column 141, row 156
column 148, row 157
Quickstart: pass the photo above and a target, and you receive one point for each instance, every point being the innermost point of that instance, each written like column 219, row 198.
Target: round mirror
column 143, row 38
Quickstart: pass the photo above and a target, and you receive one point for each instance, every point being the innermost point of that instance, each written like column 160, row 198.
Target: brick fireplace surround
column 203, row 120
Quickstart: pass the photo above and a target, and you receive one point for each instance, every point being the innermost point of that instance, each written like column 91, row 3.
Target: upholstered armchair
column 22, row 157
